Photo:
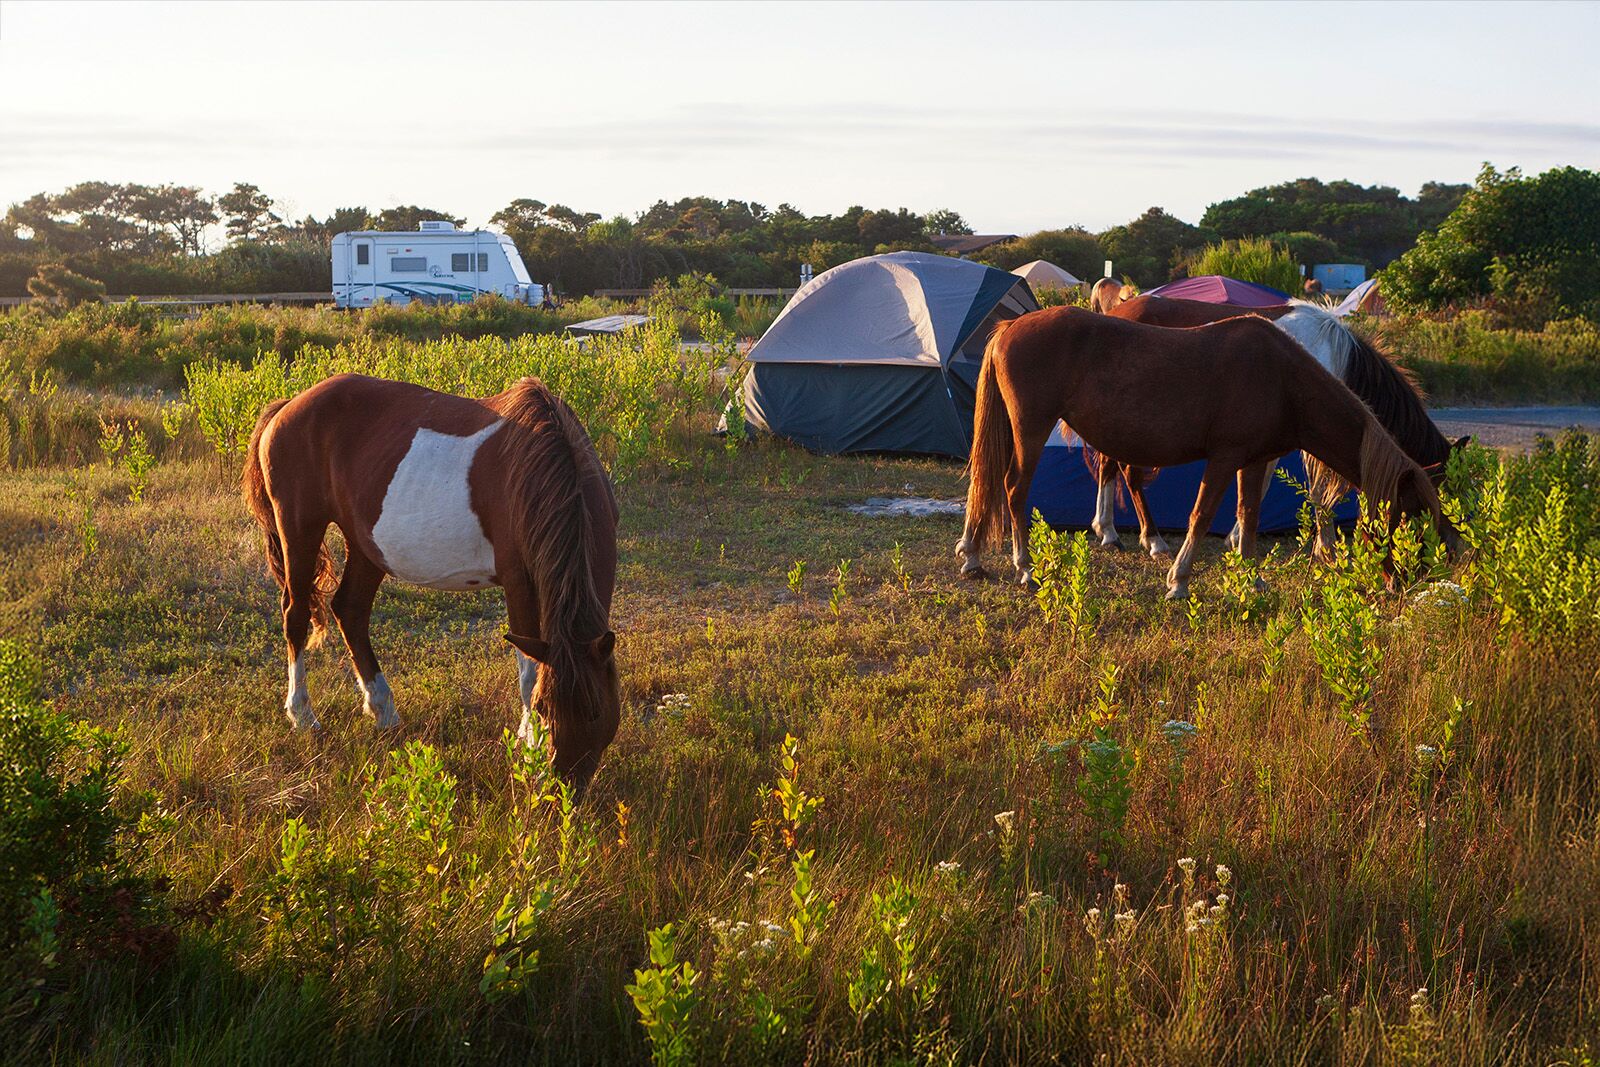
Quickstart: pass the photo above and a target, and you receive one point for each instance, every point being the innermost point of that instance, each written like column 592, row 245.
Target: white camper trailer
column 438, row 264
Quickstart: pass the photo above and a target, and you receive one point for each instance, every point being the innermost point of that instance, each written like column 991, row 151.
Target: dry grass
column 921, row 710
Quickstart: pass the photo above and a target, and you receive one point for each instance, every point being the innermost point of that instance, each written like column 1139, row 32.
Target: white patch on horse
column 297, row 705
column 527, row 676
column 427, row 531
column 1105, row 512
column 379, row 701
column 1329, row 341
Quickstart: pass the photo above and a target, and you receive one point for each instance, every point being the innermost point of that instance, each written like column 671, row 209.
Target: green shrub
column 69, row 830
column 1250, row 259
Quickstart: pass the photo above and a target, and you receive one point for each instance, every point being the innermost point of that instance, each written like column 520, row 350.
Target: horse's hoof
column 1113, row 543
column 1158, row 549
column 973, row 571
column 1178, row 592
column 302, row 717
column 385, row 720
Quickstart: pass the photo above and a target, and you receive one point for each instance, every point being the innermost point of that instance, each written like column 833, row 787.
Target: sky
column 1020, row 116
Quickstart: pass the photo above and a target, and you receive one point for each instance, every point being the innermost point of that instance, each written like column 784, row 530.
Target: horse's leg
column 522, row 616
column 352, row 607
column 1252, row 487
column 1212, row 485
column 1149, row 536
column 1235, row 534
column 301, row 547
column 1105, row 504
column 1019, row 479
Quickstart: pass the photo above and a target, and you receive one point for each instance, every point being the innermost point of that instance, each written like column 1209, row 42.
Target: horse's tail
column 992, row 448
column 259, row 501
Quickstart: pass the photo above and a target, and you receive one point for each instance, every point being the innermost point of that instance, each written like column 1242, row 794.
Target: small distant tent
column 1041, row 274
column 881, row 355
column 1364, row 298
column 1215, row 289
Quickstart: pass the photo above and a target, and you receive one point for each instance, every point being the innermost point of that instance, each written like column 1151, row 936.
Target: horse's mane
column 1384, row 464
column 1387, row 389
column 546, row 470
column 1396, row 400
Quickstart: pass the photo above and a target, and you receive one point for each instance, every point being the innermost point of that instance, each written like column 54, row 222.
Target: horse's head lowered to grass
column 578, row 698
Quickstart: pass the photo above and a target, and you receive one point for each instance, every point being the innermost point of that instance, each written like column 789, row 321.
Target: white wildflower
column 1326, row 1002
column 1426, row 755
column 1222, row 899
column 948, row 868
column 1007, row 821
column 1186, row 865
column 1223, row 874
column 1125, row 921
column 1091, row 922
column 1037, row 901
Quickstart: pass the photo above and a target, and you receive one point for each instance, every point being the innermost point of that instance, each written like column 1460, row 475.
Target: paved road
column 1514, row 427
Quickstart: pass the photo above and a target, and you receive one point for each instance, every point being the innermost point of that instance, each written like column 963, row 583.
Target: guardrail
column 200, row 299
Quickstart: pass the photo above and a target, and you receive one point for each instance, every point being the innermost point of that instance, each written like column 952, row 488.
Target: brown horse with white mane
column 1384, row 387
column 1237, row 394
column 448, row 493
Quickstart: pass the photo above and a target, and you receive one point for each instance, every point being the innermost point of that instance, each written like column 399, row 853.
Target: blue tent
column 1064, row 492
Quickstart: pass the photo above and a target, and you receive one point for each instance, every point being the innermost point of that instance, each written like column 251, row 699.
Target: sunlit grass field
column 1123, row 831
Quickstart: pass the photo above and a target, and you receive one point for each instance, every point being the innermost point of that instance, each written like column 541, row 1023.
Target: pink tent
column 1215, row 289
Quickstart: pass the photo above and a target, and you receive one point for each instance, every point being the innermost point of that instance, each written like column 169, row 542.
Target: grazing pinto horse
column 1384, row 387
column 448, row 493
column 1108, row 293
column 1237, row 394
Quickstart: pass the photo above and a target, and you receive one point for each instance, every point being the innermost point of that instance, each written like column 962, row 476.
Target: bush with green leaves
column 1250, row 259
column 1526, row 242
column 70, row 834
column 632, row 393
column 1532, row 528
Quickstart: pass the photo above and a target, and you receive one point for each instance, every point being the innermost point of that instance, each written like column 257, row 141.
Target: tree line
column 154, row 239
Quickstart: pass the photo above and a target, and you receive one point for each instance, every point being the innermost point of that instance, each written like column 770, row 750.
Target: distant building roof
column 964, row 244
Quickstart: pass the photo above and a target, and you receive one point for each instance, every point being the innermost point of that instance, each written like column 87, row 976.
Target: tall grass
column 633, row 392
column 1250, row 259
column 931, row 826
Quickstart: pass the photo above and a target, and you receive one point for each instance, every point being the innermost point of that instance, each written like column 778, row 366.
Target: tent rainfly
column 881, row 355
column 1216, row 289
column 1041, row 274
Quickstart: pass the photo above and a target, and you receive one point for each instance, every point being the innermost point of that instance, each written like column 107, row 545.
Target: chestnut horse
column 1108, row 293
column 1237, row 394
column 448, row 493
column 1391, row 394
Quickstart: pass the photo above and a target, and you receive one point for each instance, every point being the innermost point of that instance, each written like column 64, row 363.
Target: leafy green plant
column 1061, row 576
column 138, row 461
column 665, row 998
column 841, row 587
column 894, row 982
column 897, row 564
column 1106, row 783
column 797, row 577
column 1341, row 624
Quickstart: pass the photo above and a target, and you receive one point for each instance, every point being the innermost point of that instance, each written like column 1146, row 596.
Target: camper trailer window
column 363, row 255
column 409, row 264
column 461, row 262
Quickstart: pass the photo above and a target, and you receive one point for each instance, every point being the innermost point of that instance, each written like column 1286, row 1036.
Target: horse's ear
column 531, row 647
column 1461, row 442
column 602, row 646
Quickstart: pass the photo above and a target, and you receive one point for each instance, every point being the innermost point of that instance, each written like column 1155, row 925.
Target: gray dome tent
column 881, row 355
